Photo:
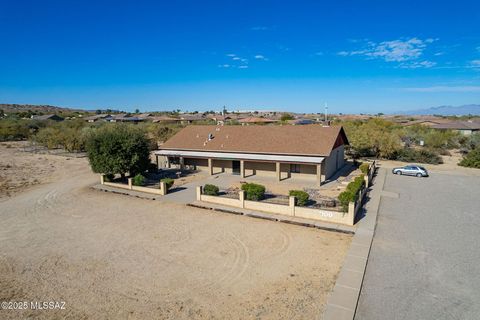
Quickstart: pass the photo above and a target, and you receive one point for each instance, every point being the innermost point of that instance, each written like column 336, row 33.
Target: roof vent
column 198, row 136
column 210, row 136
column 217, row 129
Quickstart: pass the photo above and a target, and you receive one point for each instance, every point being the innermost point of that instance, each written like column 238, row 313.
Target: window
column 295, row 168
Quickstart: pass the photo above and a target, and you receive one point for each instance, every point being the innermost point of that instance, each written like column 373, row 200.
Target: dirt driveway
column 115, row 257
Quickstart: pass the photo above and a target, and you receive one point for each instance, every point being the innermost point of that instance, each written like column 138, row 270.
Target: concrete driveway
column 425, row 258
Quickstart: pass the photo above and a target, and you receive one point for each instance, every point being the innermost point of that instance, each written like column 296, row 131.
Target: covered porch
column 307, row 169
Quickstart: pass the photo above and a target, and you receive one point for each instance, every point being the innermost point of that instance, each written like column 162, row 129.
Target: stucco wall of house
column 334, row 162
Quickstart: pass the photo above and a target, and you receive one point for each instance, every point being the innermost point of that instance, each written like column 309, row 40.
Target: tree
column 118, row 149
column 137, row 111
column 286, row 116
column 98, row 111
column 472, row 159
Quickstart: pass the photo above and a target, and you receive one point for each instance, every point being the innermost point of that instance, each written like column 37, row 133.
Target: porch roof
column 241, row 156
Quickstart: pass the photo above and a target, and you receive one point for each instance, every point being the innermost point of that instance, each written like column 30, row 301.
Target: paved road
column 425, row 258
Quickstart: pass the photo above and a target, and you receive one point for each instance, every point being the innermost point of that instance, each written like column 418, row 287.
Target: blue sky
column 358, row 56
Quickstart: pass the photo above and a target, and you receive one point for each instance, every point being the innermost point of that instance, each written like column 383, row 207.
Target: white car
column 411, row 170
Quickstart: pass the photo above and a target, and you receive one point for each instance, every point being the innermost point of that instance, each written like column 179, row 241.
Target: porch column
column 278, row 171
column 156, row 160
column 182, row 163
column 242, row 168
column 319, row 174
column 210, row 166
column 168, row 162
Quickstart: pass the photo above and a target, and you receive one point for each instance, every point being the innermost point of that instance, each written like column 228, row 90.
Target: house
column 165, row 119
column 308, row 151
column 97, row 117
column 256, row 120
column 125, row 118
column 52, row 117
column 463, row 127
column 189, row 118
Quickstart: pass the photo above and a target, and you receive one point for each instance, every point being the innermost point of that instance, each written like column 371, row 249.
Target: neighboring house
column 463, row 127
column 256, row 120
column 125, row 118
column 144, row 116
column 427, row 123
column 190, row 118
column 297, row 122
column 97, row 117
column 52, row 117
column 309, row 151
column 165, row 119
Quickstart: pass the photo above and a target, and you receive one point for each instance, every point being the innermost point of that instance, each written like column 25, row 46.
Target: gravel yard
column 113, row 256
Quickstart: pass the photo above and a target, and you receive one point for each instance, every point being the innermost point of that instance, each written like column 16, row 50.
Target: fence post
column 291, row 204
column 102, row 179
column 163, row 188
column 366, row 178
column 199, row 193
column 241, row 197
column 351, row 211
column 130, row 183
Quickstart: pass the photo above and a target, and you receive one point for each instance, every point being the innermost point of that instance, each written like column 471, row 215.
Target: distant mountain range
column 11, row 107
column 467, row 109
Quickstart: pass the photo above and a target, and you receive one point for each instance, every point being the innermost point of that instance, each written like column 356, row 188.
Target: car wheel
column 398, row 172
column 419, row 175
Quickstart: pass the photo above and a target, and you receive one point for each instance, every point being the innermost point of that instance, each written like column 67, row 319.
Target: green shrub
column 168, row 182
column 254, row 191
column 301, row 196
column 118, row 148
column 472, row 159
column 351, row 192
column 210, row 189
column 364, row 167
column 138, row 180
column 422, row 156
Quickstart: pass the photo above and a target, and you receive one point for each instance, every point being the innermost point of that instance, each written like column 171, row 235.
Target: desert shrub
column 351, row 192
column 18, row 129
column 254, row 191
column 49, row 137
column 422, row 156
column 168, row 182
column 364, row 167
column 301, row 196
column 472, row 159
column 118, row 148
column 210, row 189
column 138, row 180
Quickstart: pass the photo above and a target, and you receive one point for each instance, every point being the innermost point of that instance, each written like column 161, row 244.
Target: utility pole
column 326, row 114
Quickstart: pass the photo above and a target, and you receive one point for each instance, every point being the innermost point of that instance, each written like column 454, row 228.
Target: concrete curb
column 343, row 300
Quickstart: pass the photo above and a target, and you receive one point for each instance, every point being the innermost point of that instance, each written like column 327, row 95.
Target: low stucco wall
column 269, row 207
column 162, row 190
column 346, row 218
column 325, row 215
column 222, row 200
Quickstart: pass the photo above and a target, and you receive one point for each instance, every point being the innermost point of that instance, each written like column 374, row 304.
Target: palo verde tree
column 118, row 149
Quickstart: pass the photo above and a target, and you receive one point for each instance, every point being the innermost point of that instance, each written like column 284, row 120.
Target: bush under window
column 254, row 192
column 301, row 196
column 210, row 189
column 138, row 180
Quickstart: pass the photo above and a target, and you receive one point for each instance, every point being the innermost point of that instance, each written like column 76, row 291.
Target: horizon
column 357, row 57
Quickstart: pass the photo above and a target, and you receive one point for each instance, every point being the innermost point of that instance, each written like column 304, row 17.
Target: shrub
column 472, row 159
column 109, row 177
column 422, row 156
column 210, row 189
column 138, row 180
column 364, row 167
column 118, row 148
column 168, row 182
column 351, row 192
column 301, row 196
column 254, row 191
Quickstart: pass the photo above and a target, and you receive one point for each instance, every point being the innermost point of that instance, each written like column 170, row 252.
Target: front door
column 236, row 167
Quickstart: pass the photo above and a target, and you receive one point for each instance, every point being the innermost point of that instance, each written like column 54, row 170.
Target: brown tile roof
column 290, row 140
column 256, row 120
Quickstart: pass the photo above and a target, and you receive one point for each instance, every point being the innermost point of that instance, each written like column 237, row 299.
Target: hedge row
column 351, row 192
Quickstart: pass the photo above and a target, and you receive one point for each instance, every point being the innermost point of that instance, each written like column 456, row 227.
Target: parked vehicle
column 411, row 170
